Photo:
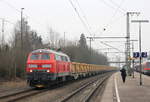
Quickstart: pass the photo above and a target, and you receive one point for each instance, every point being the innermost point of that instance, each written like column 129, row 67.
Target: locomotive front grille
column 39, row 75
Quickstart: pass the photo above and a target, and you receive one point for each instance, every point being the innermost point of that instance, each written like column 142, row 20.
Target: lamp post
column 140, row 21
column 22, row 28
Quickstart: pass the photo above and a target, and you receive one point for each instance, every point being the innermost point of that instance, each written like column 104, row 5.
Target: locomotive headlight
column 46, row 66
column 48, row 71
column 33, row 66
column 31, row 71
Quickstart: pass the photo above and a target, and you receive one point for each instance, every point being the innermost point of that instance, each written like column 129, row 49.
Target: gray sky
column 60, row 15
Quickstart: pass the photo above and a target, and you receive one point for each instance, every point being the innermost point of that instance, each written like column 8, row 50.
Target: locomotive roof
column 48, row 51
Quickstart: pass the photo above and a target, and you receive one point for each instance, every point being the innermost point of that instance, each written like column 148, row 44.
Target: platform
column 130, row 91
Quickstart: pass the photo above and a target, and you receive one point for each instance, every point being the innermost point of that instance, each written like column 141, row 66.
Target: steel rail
column 21, row 95
column 94, row 90
column 69, row 96
column 16, row 93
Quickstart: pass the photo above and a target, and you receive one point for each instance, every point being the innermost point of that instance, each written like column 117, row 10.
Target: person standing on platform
column 123, row 74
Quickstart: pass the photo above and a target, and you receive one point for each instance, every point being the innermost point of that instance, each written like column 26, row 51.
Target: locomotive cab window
column 45, row 56
column 34, row 57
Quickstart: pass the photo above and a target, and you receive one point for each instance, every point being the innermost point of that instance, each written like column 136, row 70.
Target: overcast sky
column 61, row 16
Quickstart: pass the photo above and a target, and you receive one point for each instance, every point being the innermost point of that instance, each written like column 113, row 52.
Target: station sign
column 138, row 54
column 144, row 54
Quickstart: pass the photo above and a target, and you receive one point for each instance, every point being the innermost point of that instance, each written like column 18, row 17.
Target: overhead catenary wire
column 84, row 15
column 118, row 9
column 84, row 24
column 13, row 7
column 119, row 51
column 10, row 5
column 110, row 6
column 111, row 46
column 118, row 6
column 111, row 22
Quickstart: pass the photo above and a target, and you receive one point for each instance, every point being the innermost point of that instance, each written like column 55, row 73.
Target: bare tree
column 53, row 38
column 13, row 56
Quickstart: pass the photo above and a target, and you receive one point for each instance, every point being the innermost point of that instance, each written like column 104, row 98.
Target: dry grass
column 13, row 84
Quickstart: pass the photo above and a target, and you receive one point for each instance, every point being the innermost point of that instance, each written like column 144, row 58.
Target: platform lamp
column 140, row 21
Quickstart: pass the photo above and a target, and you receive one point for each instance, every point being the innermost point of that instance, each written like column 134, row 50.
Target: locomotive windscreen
column 41, row 56
column 34, row 57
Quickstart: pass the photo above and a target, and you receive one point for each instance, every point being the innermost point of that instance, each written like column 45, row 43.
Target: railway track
column 81, row 92
column 20, row 95
column 87, row 91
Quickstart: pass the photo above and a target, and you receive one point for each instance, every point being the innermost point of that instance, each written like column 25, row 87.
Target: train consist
column 46, row 67
column 145, row 67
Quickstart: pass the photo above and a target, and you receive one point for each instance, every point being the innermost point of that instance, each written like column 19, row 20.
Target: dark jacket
column 123, row 72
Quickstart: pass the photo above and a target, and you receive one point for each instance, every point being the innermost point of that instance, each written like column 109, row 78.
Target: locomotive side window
column 58, row 58
column 63, row 58
column 45, row 56
column 34, row 57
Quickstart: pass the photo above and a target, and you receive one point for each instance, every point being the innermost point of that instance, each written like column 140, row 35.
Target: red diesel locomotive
column 45, row 67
